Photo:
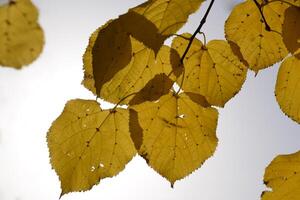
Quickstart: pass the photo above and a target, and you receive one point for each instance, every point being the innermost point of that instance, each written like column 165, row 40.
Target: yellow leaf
column 178, row 135
column 87, row 144
column 168, row 15
column 109, row 51
column 291, row 29
column 283, row 177
column 245, row 27
column 122, row 66
column 142, row 68
column 288, row 88
column 21, row 37
column 213, row 71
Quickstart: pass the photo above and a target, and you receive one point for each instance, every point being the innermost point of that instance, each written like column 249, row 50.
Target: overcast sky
column 252, row 130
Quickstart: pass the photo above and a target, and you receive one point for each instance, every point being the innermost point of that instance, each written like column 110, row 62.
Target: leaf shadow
column 113, row 50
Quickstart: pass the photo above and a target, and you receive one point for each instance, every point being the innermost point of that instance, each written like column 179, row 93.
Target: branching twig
column 197, row 30
column 268, row 28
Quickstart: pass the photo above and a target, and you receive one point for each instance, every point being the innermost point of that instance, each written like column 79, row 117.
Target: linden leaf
column 245, row 27
column 128, row 69
column 109, row 51
column 178, row 135
column 21, row 37
column 213, row 71
column 291, row 29
column 283, row 177
column 87, row 144
column 168, row 15
column 142, row 68
column 288, row 88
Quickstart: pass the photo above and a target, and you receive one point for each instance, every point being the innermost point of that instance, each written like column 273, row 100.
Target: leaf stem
column 124, row 98
column 204, row 37
column 268, row 28
column 202, row 22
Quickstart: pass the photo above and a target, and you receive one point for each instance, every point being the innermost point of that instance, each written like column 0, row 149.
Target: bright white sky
column 251, row 131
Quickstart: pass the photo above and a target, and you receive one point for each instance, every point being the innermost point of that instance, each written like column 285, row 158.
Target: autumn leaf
column 283, row 177
column 114, row 78
column 88, row 144
column 213, row 71
column 245, row 27
column 288, row 88
column 21, row 37
column 109, row 51
column 178, row 134
column 168, row 15
column 291, row 29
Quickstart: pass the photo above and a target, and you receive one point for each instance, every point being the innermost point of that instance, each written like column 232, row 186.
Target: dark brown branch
column 268, row 28
column 203, row 20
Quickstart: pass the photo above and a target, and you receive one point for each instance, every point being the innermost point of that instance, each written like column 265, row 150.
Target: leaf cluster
column 171, row 93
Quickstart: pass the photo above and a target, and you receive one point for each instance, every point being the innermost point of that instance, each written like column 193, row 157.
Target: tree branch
column 268, row 28
column 203, row 20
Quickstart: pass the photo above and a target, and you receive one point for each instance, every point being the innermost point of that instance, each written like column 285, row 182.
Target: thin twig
column 262, row 15
column 124, row 98
column 197, row 30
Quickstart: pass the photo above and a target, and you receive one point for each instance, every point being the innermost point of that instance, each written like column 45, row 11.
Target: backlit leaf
column 168, row 15
column 213, row 71
column 283, row 177
column 109, row 51
column 288, row 88
column 291, row 29
column 88, row 144
column 245, row 27
column 178, row 135
column 121, row 70
column 21, row 37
